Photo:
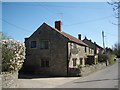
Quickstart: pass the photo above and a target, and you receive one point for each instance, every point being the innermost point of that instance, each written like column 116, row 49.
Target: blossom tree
column 13, row 55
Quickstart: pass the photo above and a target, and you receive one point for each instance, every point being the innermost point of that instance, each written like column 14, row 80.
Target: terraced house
column 50, row 51
column 97, row 49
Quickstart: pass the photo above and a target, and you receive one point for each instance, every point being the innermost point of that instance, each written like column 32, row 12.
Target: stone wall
column 92, row 68
column 9, row 80
column 77, row 52
column 74, row 72
column 84, row 71
column 55, row 54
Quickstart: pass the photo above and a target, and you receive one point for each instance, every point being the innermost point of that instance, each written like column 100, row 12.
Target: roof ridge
column 70, row 37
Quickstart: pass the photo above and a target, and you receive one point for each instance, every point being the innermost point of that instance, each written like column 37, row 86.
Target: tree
column 13, row 55
column 116, row 7
column 4, row 36
column 116, row 49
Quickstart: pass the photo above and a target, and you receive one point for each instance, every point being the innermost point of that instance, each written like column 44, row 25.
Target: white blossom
column 16, row 58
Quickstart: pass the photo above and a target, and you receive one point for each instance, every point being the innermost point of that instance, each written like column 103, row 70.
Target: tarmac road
column 105, row 78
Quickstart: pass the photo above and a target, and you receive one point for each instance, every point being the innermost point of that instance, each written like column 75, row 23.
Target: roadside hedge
column 102, row 57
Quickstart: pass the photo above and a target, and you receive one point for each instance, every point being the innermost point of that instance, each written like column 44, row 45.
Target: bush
column 102, row 58
column 79, row 66
column 112, row 58
column 13, row 55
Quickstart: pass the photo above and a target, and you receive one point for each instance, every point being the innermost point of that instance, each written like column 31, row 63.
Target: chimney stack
column 79, row 36
column 58, row 25
column 94, row 42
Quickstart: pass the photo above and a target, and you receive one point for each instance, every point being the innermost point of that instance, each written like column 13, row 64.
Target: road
column 106, row 78
column 44, row 82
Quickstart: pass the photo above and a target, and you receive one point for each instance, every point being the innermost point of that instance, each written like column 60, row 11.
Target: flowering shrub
column 13, row 55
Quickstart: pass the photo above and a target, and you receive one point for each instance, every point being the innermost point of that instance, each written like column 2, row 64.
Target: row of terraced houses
column 50, row 51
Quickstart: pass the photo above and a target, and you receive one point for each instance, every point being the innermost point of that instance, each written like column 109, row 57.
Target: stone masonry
column 56, row 53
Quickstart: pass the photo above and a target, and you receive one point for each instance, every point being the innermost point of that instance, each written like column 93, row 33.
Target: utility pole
column 104, row 46
column 103, row 39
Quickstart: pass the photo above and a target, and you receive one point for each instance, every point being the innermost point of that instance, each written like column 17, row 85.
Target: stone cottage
column 97, row 49
column 50, row 51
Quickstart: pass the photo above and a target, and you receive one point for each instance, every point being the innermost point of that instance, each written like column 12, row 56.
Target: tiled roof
column 99, row 46
column 91, row 44
column 71, row 38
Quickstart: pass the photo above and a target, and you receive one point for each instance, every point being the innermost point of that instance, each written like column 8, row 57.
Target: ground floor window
column 44, row 63
column 81, row 59
column 74, row 61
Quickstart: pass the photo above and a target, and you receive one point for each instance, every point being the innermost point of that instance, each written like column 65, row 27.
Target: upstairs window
column 44, row 45
column 89, row 50
column 85, row 49
column 33, row 44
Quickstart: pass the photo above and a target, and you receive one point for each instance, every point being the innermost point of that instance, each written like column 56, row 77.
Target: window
column 81, row 61
column 33, row 44
column 44, row 45
column 44, row 63
column 89, row 50
column 74, row 45
column 85, row 49
column 74, row 61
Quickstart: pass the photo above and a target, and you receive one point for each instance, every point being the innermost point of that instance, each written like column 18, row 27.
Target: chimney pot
column 58, row 25
column 79, row 36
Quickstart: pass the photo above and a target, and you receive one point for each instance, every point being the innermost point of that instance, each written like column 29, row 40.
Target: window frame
column 45, row 63
column 81, row 60
column 44, row 45
column 33, row 45
column 85, row 49
column 89, row 50
column 74, row 61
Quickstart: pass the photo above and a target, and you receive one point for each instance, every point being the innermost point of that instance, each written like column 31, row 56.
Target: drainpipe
column 67, row 60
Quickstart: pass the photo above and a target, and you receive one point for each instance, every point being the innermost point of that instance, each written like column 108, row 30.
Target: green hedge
column 102, row 58
column 112, row 59
column 105, row 57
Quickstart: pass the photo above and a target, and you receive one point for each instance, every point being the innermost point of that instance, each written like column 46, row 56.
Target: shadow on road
column 32, row 76
column 96, row 80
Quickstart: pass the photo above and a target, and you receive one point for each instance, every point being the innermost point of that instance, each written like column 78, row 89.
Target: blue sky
column 20, row 20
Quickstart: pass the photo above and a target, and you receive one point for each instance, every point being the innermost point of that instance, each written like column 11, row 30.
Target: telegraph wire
column 49, row 10
column 23, row 29
column 89, row 21
column 113, row 35
column 20, row 28
column 58, row 6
